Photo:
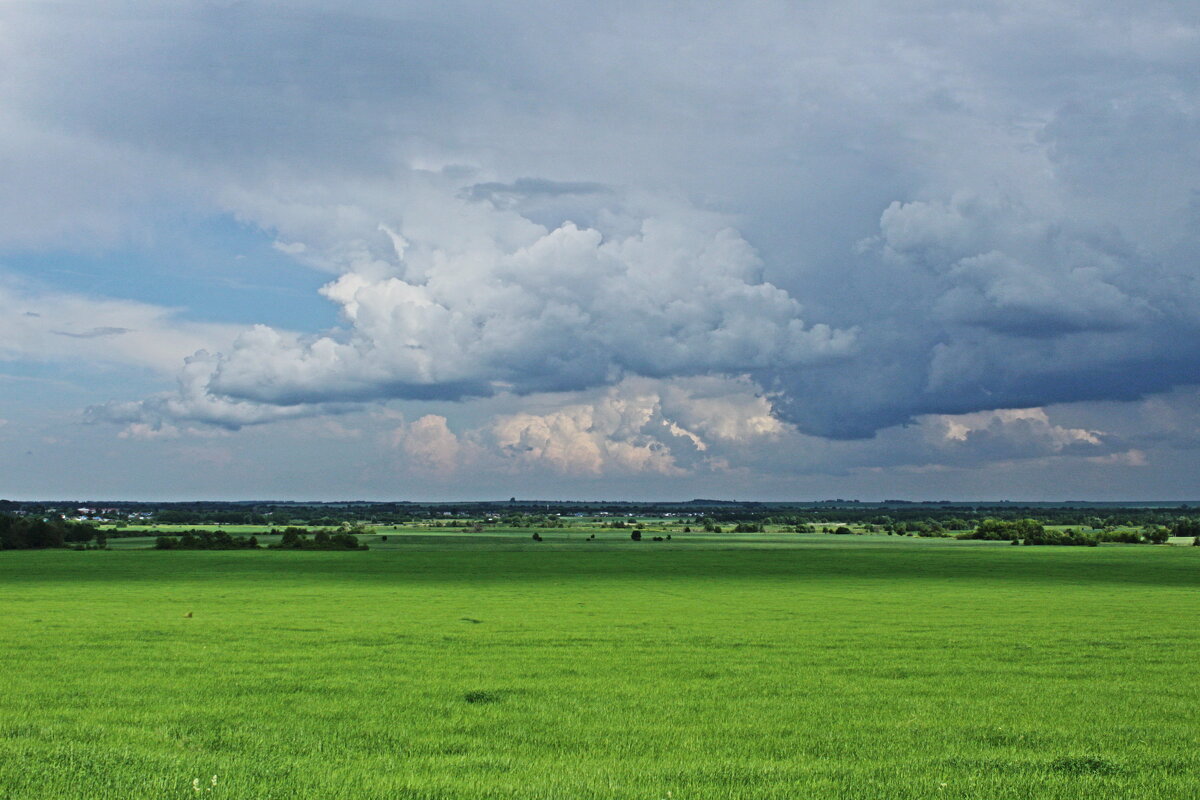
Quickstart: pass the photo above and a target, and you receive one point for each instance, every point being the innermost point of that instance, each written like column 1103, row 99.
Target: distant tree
column 1158, row 535
column 341, row 541
column 636, row 536
column 1185, row 526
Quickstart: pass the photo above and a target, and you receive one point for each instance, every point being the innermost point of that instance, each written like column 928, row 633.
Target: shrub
column 636, row 536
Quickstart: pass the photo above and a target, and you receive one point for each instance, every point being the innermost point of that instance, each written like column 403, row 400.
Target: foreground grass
column 433, row 668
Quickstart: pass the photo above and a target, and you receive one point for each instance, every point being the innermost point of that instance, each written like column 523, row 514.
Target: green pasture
column 489, row 666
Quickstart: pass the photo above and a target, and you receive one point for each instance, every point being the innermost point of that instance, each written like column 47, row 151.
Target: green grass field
column 454, row 666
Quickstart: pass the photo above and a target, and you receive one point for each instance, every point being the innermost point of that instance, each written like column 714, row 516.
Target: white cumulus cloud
column 483, row 301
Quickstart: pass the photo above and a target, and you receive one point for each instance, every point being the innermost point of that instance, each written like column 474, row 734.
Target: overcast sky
column 923, row 250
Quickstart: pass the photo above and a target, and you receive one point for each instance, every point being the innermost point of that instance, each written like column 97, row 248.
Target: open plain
column 446, row 665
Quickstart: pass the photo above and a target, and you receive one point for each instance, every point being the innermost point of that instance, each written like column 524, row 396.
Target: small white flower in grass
column 195, row 784
column 214, row 780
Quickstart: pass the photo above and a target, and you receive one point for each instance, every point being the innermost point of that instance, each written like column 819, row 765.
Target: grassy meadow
column 445, row 664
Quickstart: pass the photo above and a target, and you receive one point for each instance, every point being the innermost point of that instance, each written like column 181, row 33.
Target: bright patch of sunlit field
column 705, row 667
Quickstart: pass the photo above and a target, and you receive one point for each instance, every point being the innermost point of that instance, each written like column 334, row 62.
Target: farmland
column 445, row 664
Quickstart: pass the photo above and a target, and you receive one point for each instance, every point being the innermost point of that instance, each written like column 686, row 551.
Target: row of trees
column 298, row 539
column 33, row 533
column 1069, row 537
column 1186, row 526
column 1032, row 532
column 289, row 539
column 205, row 540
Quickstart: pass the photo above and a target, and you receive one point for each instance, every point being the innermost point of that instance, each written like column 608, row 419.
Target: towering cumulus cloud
column 488, row 302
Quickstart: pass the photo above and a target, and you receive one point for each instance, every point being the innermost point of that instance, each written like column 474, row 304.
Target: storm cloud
column 872, row 216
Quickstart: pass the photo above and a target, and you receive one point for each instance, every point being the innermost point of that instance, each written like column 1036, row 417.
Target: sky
column 630, row 250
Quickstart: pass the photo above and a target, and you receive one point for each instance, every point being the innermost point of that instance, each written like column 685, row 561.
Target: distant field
column 575, row 532
column 447, row 664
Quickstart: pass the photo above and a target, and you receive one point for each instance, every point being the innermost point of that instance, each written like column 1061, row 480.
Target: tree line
column 291, row 538
column 1033, row 532
column 35, row 533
